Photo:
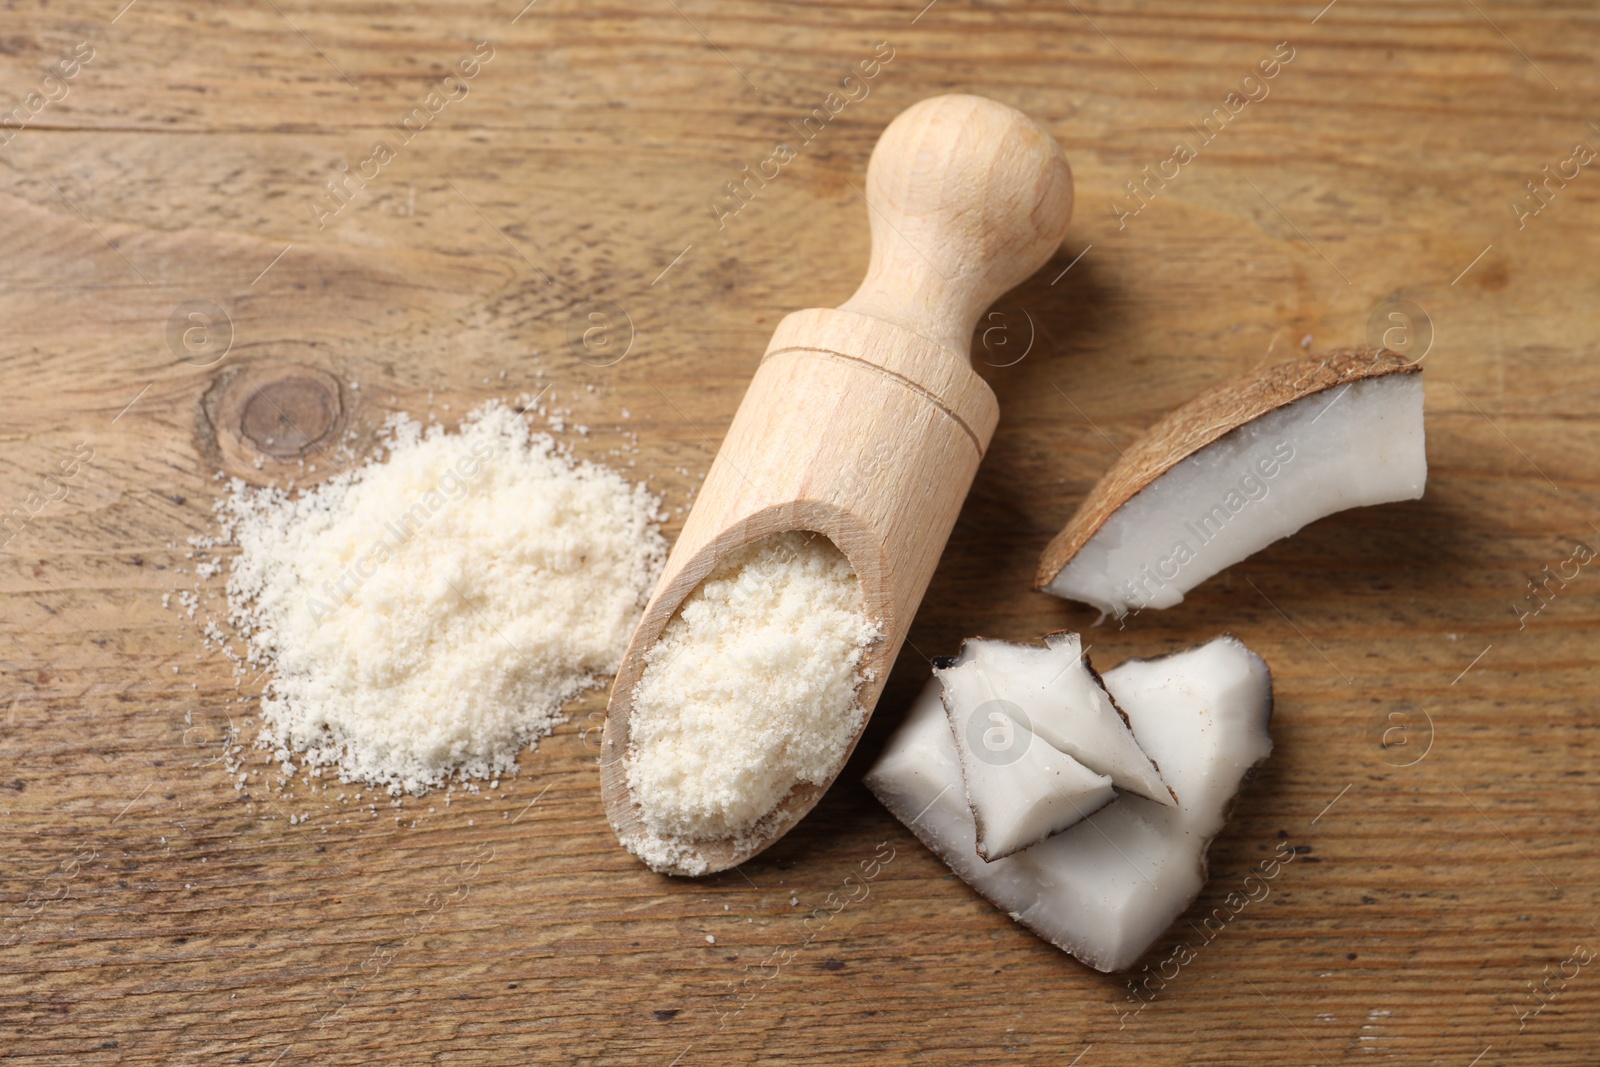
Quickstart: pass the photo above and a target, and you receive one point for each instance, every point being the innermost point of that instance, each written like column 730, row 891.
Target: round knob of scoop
column 967, row 198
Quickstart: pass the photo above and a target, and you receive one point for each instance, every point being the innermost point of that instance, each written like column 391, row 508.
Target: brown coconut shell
column 1208, row 417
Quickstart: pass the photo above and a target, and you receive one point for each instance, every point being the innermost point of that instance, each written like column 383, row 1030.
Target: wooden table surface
column 169, row 159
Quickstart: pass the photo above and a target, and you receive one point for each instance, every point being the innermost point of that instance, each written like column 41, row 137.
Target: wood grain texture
column 1209, row 417
column 152, row 914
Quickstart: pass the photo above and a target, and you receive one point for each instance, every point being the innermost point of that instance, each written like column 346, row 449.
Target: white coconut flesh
column 1350, row 446
column 1037, row 734
column 1094, row 730
column 1105, row 889
column 1020, row 789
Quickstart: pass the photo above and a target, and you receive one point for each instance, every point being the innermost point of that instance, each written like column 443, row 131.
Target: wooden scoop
column 866, row 423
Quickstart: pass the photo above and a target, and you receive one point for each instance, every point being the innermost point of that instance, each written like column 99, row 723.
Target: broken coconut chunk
column 1238, row 468
column 1021, row 789
column 1041, row 743
column 1107, row 888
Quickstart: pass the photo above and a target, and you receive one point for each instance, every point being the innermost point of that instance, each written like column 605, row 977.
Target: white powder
column 426, row 617
column 750, row 690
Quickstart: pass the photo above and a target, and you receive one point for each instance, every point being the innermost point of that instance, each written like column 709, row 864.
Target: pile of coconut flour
column 426, row 616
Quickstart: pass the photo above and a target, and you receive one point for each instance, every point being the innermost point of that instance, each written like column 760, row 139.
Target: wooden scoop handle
column 967, row 198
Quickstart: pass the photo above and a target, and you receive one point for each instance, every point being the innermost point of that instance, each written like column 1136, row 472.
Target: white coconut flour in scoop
column 750, row 690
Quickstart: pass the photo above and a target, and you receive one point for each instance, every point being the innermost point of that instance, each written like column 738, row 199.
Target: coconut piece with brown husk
column 1237, row 468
